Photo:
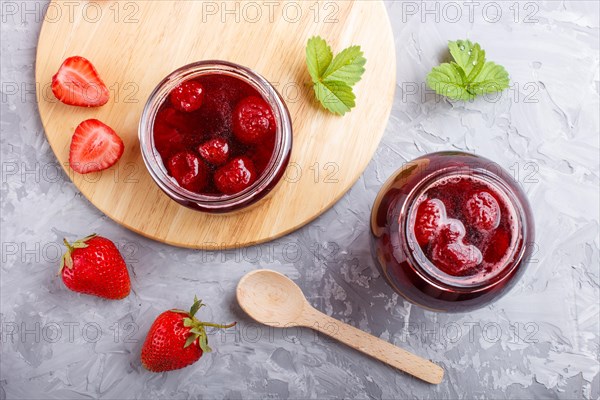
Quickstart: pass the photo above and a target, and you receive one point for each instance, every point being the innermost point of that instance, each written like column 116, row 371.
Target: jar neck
column 425, row 267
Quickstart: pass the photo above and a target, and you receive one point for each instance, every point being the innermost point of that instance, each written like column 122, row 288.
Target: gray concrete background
column 540, row 341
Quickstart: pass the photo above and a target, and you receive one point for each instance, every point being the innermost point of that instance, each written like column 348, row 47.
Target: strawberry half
column 77, row 83
column 93, row 265
column 94, row 147
column 176, row 339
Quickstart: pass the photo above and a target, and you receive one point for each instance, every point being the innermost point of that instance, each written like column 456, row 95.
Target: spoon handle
column 374, row 347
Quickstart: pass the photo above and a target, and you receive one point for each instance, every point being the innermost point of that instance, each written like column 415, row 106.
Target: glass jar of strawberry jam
column 215, row 136
column 451, row 231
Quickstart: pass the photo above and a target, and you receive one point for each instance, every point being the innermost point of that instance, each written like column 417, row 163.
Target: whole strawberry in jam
column 483, row 211
column 188, row 170
column 235, row 176
column 430, row 215
column 168, row 140
column 176, row 339
column 456, row 258
column 253, row 120
column 93, row 265
column 450, row 253
column 174, row 118
column 215, row 151
column 188, row 96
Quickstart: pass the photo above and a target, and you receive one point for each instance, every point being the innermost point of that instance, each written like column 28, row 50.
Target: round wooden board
column 136, row 44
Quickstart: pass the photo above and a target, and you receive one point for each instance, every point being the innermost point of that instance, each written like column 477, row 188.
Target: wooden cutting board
column 134, row 44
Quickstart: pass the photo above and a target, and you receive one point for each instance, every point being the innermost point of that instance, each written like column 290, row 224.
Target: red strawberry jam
column 464, row 226
column 451, row 231
column 215, row 134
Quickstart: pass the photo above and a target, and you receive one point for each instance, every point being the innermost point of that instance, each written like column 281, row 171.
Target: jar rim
column 426, row 269
column 271, row 173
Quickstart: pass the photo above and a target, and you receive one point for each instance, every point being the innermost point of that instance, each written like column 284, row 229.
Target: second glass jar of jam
column 451, row 231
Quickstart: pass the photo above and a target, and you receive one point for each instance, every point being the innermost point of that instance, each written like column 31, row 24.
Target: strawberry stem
column 218, row 325
column 197, row 330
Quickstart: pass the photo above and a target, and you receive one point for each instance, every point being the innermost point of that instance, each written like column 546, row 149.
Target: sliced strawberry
column 77, row 83
column 94, row 147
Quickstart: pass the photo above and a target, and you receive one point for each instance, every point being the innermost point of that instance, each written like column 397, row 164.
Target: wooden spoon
column 273, row 299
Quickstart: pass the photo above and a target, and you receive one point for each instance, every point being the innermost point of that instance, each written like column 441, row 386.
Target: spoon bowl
column 271, row 298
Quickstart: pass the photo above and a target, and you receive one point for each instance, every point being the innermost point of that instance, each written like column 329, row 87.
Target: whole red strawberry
column 93, row 265
column 176, row 339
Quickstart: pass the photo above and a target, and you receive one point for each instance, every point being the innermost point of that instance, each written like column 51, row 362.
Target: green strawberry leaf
column 447, row 80
column 336, row 97
column 333, row 78
column 492, row 78
column 195, row 307
column 467, row 55
column 347, row 66
column 468, row 75
column 187, row 322
column 318, row 57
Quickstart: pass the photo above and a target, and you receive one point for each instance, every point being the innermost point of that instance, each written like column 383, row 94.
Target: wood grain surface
column 136, row 44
